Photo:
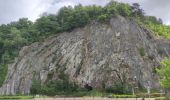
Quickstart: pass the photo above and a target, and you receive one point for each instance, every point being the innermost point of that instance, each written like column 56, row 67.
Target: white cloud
column 12, row 10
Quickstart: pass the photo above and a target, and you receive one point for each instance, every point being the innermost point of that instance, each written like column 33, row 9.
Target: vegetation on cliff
column 165, row 73
column 157, row 27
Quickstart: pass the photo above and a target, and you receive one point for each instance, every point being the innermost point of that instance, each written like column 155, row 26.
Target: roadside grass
column 16, row 97
column 93, row 93
column 161, row 98
column 123, row 96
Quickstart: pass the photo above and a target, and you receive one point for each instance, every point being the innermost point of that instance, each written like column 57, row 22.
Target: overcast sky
column 12, row 10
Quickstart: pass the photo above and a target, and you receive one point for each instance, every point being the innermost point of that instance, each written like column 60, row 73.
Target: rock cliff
column 98, row 53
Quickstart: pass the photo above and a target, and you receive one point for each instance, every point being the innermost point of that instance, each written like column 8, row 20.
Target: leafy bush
column 50, row 75
column 51, row 88
column 118, row 88
column 103, row 18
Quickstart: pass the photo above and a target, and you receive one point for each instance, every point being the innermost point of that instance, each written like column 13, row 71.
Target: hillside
column 113, row 48
column 96, row 54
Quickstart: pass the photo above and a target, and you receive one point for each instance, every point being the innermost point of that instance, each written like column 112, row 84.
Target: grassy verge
column 84, row 94
column 153, row 95
column 161, row 98
column 123, row 96
column 16, row 97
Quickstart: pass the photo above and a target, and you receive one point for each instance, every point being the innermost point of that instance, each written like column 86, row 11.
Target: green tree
column 80, row 17
column 124, row 9
column 165, row 73
column 93, row 11
column 137, row 11
column 65, row 18
column 103, row 18
column 3, row 72
column 22, row 24
column 111, row 8
column 47, row 25
column 1, row 49
column 153, row 20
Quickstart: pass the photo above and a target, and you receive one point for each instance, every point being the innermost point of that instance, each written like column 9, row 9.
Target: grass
column 123, row 96
column 85, row 94
column 152, row 95
column 161, row 98
column 16, row 97
column 89, row 94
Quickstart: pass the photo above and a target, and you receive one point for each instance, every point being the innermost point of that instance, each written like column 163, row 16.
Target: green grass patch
column 161, row 98
column 16, row 97
column 92, row 93
column 123, row 96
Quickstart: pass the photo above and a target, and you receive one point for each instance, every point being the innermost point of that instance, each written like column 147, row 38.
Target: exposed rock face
column 96, row 54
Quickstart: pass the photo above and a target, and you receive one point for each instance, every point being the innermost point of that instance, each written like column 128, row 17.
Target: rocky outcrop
column 120, row 50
